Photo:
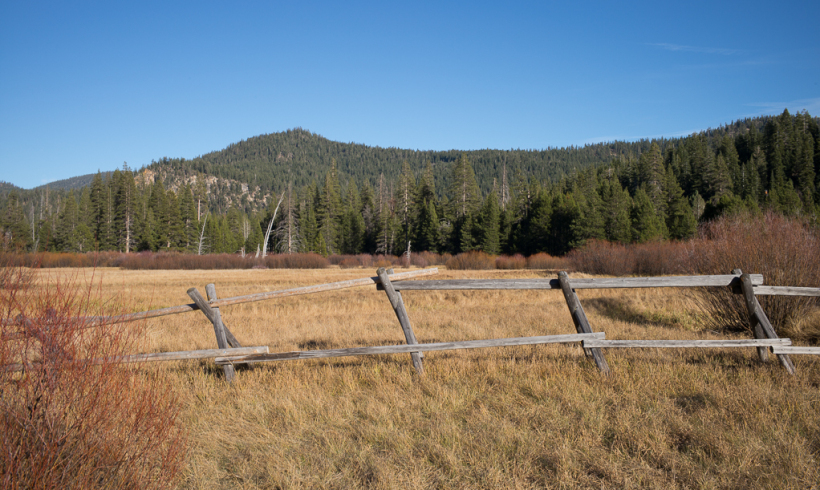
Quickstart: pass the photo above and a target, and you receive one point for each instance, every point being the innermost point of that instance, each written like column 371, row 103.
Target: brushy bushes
column 546, row 261
column 296, row 261
column 48, row 260
column 473, row 260
column 785, row 250
column 69, row 423
column 171, row 261
column 645, row 259
column 516, row 261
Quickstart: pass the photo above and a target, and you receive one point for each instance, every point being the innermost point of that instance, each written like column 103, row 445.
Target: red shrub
column 517, row 261
column 433, row 258
column 296, row 261
column 548, row 262
column 473, row 260
column 785, row 250
column 349, row 263
column 382, row 261
column 74, row 417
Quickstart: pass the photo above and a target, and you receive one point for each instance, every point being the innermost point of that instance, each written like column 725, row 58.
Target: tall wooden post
column 760, row 322
column 401, row 313
column 580, row 320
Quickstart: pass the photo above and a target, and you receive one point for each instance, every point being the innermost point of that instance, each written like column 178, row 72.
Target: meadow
column 514, row 417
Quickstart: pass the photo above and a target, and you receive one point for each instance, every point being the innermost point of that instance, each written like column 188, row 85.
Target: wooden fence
column 230, row 352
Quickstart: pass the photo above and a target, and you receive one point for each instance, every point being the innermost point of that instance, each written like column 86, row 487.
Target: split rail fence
column 230, row 352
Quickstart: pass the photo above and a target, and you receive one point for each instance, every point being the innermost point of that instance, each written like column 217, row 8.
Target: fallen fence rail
column 687, row 343
column 410, row 348
column 162, row 356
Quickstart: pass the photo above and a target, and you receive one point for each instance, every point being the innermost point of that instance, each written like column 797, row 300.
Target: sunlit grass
column 519, row 417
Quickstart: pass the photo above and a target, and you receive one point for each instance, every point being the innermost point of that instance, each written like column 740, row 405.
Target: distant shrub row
column 157, row 261
column 166, row 261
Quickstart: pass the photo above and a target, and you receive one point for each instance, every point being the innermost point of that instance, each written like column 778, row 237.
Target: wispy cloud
column 697, row 49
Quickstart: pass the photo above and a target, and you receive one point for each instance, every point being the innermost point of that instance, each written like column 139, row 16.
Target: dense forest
column 310, row 194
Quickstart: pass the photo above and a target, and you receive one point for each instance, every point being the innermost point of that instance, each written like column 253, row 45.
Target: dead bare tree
column 202, row 235
column 270, row 226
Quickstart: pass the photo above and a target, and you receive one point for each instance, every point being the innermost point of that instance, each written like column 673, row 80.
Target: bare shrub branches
column 71, row 419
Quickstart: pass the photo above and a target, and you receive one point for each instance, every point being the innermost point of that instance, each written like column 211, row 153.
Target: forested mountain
column 73, row 183
column 332, row 197
column 6, row 187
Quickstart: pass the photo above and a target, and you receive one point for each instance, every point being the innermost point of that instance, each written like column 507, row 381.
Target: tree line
column 662, row 193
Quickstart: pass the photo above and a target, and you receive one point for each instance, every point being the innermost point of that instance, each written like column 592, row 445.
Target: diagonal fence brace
column 398, row 306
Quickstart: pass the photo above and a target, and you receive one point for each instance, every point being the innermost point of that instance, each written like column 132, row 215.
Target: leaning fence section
column 230, row 352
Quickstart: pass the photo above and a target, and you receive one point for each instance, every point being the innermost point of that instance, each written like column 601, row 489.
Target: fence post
column 210, row 290
column 580, row 320
column 398, row 306
column 219, row 329
column 762, row 326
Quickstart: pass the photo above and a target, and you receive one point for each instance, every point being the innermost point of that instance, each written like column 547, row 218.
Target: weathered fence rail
column 166, row 356
column 410, row 348
column 581, row 283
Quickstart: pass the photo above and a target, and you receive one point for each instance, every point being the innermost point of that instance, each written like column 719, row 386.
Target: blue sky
column 88, row 86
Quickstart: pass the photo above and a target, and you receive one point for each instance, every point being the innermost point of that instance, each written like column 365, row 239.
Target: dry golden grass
column 520, row 417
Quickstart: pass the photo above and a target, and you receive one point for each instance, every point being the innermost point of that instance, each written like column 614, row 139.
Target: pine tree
column 652, row 176
column 188, row 218
column 489, row 224
column 589, row 224
column 15, row 232
column 617, row 206
column 405, row 202
column 330, row 211
column 645, row 223
column 427, row 237
column 680, row 220
column 176, row 229
column 288, row 238
column 99, row 213
column 464, row 189
column 125, row 208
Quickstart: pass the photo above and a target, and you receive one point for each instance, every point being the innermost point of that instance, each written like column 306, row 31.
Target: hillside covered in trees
column 334, row 197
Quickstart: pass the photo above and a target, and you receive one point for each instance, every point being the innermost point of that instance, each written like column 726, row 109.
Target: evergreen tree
column 15, row 232
column 288, row 237
column 652, row 177
column 680, row 220
column 464, row 189
column 405, row 202
column 427, row 236
column 617, row 206
column 330, row 211
column 125, row 208
column 489, row 224
column 188, row 219
column 645, row 223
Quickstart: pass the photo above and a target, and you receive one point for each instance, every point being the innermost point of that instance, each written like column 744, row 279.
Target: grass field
column 515, row 417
